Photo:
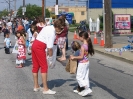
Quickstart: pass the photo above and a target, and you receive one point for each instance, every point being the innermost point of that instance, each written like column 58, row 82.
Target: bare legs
column 63, row 57
column 44, row 80
column 35, row 78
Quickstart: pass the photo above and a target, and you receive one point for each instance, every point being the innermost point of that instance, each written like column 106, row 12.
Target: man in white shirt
column 9, row 25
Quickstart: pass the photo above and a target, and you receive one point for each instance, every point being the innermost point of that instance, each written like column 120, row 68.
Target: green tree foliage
column 32, row 11
column 101, row 20
column 3, row 13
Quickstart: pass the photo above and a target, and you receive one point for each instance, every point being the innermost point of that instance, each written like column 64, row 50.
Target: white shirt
column 7, row 41
column 9, row 24
column 29, row 34
column 33, row 37
column 67, row 23
column 47, row 36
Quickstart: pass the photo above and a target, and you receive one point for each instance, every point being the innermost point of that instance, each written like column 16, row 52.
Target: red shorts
column 39, row 57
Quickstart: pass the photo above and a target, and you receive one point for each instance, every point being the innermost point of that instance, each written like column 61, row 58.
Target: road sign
column 56, row 10
column 24, row 9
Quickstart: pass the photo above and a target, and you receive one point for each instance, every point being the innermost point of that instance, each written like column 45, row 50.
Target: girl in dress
column 21, row 55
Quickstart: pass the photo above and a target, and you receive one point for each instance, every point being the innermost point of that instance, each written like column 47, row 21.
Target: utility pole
column 43, row 8
column 87, row 9
column 14, row 5
column 108, row 24
column 56, row 9
column 24, row 7
column 68, row 2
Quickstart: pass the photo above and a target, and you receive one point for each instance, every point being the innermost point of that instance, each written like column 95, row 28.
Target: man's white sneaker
column 86, row 92
column 75, row 91
column 37, row 89
column 50, row 92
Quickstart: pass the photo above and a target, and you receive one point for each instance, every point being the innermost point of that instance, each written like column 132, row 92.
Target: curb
column 115, row 57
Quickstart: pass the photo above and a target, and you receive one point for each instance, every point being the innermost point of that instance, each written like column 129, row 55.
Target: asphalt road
column 109, row 78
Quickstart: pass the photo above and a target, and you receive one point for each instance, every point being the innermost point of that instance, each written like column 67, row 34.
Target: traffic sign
column 24, row 9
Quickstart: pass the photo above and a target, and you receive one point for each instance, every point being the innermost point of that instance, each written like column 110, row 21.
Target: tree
column 3, row 13
column 32, row 11
column 101, row 20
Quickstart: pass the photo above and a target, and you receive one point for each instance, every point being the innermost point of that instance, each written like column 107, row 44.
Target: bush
column 73, row 21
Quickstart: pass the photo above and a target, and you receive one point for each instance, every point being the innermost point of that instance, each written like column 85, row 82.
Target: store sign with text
column 122, row 21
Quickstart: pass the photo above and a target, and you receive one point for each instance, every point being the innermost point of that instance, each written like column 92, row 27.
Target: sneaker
column 50, row 92
column 75, row 91
column 80, row 93
column 37, row 89
column 86, row 92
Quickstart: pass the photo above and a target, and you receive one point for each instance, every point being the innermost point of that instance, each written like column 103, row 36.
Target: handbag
column 15, row 48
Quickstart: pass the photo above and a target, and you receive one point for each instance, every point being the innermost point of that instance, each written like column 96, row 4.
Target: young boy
column 7, row 43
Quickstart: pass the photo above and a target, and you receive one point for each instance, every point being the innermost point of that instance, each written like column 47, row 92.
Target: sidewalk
column 126, row 56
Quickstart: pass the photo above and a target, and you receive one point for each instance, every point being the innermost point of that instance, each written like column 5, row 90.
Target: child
column 83, row 63
column 7, row 43
column 21, row 56
column 76, row 48
column 35, row 33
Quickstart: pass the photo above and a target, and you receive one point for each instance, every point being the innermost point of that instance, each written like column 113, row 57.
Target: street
column 109, row 78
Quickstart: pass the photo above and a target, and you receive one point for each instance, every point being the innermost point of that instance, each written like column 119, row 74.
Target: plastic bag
column 29, row 48
column 15, row 49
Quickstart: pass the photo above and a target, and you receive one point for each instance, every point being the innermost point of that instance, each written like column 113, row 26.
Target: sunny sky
column 38, row 2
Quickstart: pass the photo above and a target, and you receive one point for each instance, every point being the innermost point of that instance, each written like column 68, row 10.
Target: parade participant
column 45, row 40
column 83, row 63
column 21, row 55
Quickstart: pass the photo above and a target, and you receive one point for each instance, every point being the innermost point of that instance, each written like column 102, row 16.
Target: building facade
column 94, row 13
column 79, row 12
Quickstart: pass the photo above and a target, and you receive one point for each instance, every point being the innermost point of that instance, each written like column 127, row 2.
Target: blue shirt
column 7, row 41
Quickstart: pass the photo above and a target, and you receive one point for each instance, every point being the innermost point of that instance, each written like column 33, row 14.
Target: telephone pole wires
column 108, row 24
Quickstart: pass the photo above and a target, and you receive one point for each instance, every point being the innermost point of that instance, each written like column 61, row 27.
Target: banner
column 122, row 22
column 69, row 16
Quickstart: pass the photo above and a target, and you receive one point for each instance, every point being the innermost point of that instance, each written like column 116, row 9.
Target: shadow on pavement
column 57, row 83
column 28, row 62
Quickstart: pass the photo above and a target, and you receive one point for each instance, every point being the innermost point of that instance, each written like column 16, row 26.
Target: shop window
column 82, row 13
